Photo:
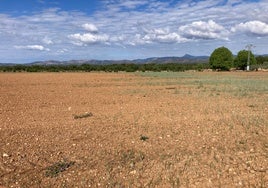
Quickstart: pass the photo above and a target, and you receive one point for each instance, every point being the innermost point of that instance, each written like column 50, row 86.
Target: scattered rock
column 133, row 172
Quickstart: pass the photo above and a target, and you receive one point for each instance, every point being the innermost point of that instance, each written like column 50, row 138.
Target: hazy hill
column 158, row 60
column 184, row 59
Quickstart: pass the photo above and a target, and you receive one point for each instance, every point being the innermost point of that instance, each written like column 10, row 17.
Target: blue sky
column 32, row 30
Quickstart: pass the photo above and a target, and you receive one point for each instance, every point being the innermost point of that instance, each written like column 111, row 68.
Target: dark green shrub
column 55, row 169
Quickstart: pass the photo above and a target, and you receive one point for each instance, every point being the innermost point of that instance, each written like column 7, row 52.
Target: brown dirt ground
column 198, row 136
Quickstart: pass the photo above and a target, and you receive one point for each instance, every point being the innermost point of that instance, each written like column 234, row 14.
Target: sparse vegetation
column 261, row 59
column 144, row 138
column 85, row 115
column 130, row 157
column 58, row 167
column 210, row 131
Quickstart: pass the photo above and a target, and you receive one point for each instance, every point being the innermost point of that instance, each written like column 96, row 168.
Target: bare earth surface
column 134, row 130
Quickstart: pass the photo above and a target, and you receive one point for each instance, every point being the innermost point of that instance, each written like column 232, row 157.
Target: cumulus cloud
column 91, row 37
column 252, row 27
column 88, row 38
column 33, row 47
column 170, row 38
column 90, row 28
column 150, row 36
column 122, row 23
column 161, row 35
column 204, row 30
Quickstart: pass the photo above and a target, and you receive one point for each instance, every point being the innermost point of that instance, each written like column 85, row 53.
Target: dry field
column 134, row 130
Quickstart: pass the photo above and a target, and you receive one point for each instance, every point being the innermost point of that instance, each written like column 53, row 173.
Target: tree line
column 223, row 59
column 129, row 67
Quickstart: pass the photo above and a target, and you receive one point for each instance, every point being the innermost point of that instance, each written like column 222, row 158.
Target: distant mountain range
column 184, row 59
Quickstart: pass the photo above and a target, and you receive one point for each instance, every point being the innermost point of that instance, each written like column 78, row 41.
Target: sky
column 38, row 30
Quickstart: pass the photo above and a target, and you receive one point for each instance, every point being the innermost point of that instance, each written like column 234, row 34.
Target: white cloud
column 62, row 51
column 132, row 4
column 89, row 38
column 117, row 5
column 170, row 38
column 159, row 31
column 33, row 47
column 252, row 27
column 152, row 36
column 145, row 27
column 47, row 41
column 204, row 30
column 162, row 36
column 90, row 28
column 137, row 40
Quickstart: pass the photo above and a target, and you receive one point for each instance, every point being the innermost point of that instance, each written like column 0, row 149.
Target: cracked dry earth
column 133, row 130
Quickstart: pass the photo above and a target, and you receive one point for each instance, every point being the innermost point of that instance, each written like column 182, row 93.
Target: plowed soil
column 134, row 130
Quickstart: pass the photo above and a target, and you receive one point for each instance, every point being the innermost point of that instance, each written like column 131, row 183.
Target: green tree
column 241, row 59
column 221, row 58
column 261, row 59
